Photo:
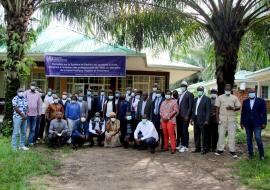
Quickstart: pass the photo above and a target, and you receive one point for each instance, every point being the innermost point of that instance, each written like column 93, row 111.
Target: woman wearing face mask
column 109, row 106
column 168, row 111
column 112, row 134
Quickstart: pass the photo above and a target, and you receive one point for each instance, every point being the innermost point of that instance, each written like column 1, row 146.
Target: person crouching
column 97, row 129
column 58, row 131
column 112, row 134
column 80, row 132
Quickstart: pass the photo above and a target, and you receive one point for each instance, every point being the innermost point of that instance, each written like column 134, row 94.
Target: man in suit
column 154, row 92
column 101, row 98
column 109, row 106
column 90, row 99
column 144, row 107
column 185, row 102
column 83, row 105
column 200, row 119
column 156, row 115
column 254, row 119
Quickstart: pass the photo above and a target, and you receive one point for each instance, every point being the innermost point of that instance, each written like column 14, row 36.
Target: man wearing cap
column 58, row 131
column 185, row 103
column 146, row 135
column 20, row 107
column 34, row 108
column 91, row 103
column 97, row 129
column 227, row 106
column 80, row 132
column 154, row 92
column 200, row 120
column 254, row 120
column 212, row 132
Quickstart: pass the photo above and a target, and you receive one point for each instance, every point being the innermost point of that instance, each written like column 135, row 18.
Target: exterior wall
column 268, row 105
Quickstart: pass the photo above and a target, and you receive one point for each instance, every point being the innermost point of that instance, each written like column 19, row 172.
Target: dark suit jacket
column 204, row 110
column 99, row 104
column 105, row 107
column 147, row 109
column 257, row 116
column 186, row 105
column 93, row 106
column 154, row 105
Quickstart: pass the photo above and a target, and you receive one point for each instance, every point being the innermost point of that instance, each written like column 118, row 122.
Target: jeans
column 182, row 132
column 31, row 121
column 150, row 142
column 19, row 127
column 250, row 130
column 156, row 121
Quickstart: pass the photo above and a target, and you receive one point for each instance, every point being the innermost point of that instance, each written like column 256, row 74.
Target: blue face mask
column 251, row 95
column 129, row 117
column 167, row 96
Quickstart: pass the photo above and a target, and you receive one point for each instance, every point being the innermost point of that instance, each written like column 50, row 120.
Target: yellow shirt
column 223, row 101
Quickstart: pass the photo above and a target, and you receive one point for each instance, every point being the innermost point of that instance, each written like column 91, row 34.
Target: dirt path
column 109, row 169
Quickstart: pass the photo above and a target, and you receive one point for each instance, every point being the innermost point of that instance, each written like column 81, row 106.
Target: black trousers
column 42, row 126
column 156, row 122
column 100, row 138
column 53, row 139
column 182, row 132
column 200, row 136
column 91, row 114
column 212, row 134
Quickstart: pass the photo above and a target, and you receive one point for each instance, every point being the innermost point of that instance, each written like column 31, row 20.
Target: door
column 95, row 87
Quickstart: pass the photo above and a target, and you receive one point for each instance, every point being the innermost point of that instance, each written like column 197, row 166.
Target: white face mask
column 117, row 95
column 89, row 93
column 110, row 97
column 128, row 92
column 144, row 121
column 113, row 119
column 73, row 101
column 83, row 119
column 167, row 96
column 55, row 101
column 158, row 95
column 213, row 96
column 102, row 93
column 137, row 97
column 129, row 117
column 97, row 119
column 133, row 94
column 32, row 88
column 80, row 98
column 20, row 94
column 228, row 93
column 64, row 97
column 183, row 88
column 154, row 89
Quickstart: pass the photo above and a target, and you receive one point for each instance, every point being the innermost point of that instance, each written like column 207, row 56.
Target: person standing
column 34, row 102
column 200, row 120
column 20, row 107
column 168, row 111
column 128, row 94
column 91, row 104
column 112, row 133
column 109, row 106
column 144, row 107
column 117, row 97
column 156, row 115
column 42, row 118
column 72, row 113
column 185, row 102
column 146, row 135
column 100, row 102
column 254, row 120
column 49, row 98
column 227, row 106
column 153, row 94
column 83, row 105
column 212, row 131
column 80, row 132
column 64, row 101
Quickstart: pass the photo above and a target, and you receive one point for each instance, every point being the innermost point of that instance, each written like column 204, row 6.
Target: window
column 265, row 90
column 40, row 79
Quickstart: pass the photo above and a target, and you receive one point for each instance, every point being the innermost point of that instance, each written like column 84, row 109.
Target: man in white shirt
column 146, row 135
column 97, row 129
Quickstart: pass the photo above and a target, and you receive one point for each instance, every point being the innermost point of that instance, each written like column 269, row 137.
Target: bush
column 6, row 128
column 240, row 136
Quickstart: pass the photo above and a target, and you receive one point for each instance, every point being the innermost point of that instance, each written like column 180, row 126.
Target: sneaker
column 23, row 148
column 31, row 144
column 262, row 158
column 219, row 152
column 183, row 149
column 234, row 155
column 179, row 147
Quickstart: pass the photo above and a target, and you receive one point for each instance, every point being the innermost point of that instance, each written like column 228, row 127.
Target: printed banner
column 85, row 66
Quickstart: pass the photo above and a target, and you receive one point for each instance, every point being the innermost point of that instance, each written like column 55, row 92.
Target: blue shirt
column 21, row 104
column 73, row 111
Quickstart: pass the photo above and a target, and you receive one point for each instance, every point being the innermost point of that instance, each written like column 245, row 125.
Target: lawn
column 16, row 168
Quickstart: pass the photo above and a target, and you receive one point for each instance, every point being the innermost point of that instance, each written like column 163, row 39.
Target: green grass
column 255, row 173
column 16, row 168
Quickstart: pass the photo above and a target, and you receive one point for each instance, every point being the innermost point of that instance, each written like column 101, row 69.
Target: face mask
column 158, row 95
column 20, row 94
column 80, row 98
column 129, row 117
column 55, row 101
column 97, row 119
column 154, row 89
column 110, row 97
column 113, row 119
column 183, row 88
column 49, row 93
column 117, row 95
column 213, row 96
column 137, row 97
column 251, row 95
column 102, row 93
column 69, row 99
column 200, row 93
column 128, row 92
column 73, row 101
column 167, row 96
column 89, row 93
column 64, row 97
column 144, row 121
column 227, row 93
column 33, row 88
column 133, row 94
column 83, row 119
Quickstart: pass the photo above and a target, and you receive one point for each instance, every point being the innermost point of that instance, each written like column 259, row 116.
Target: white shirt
column 157, row 105
column 251, row 101
column 109, row 108
column 135, row 104
column 44, row 107
column 143, row 107
column 181, row 97
column 148, row 130
column 64, row 101
column 197, row 104
column 91, row 130
column 154, row 96
column 48, row 99
column 89, row 102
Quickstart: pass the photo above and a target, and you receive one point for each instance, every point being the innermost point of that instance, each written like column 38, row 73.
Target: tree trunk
column 17, row 25
column 226, row 52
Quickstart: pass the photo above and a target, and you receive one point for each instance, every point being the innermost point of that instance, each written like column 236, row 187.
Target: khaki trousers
column 223, row 127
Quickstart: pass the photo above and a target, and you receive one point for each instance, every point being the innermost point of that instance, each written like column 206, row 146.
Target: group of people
column 138, row 119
